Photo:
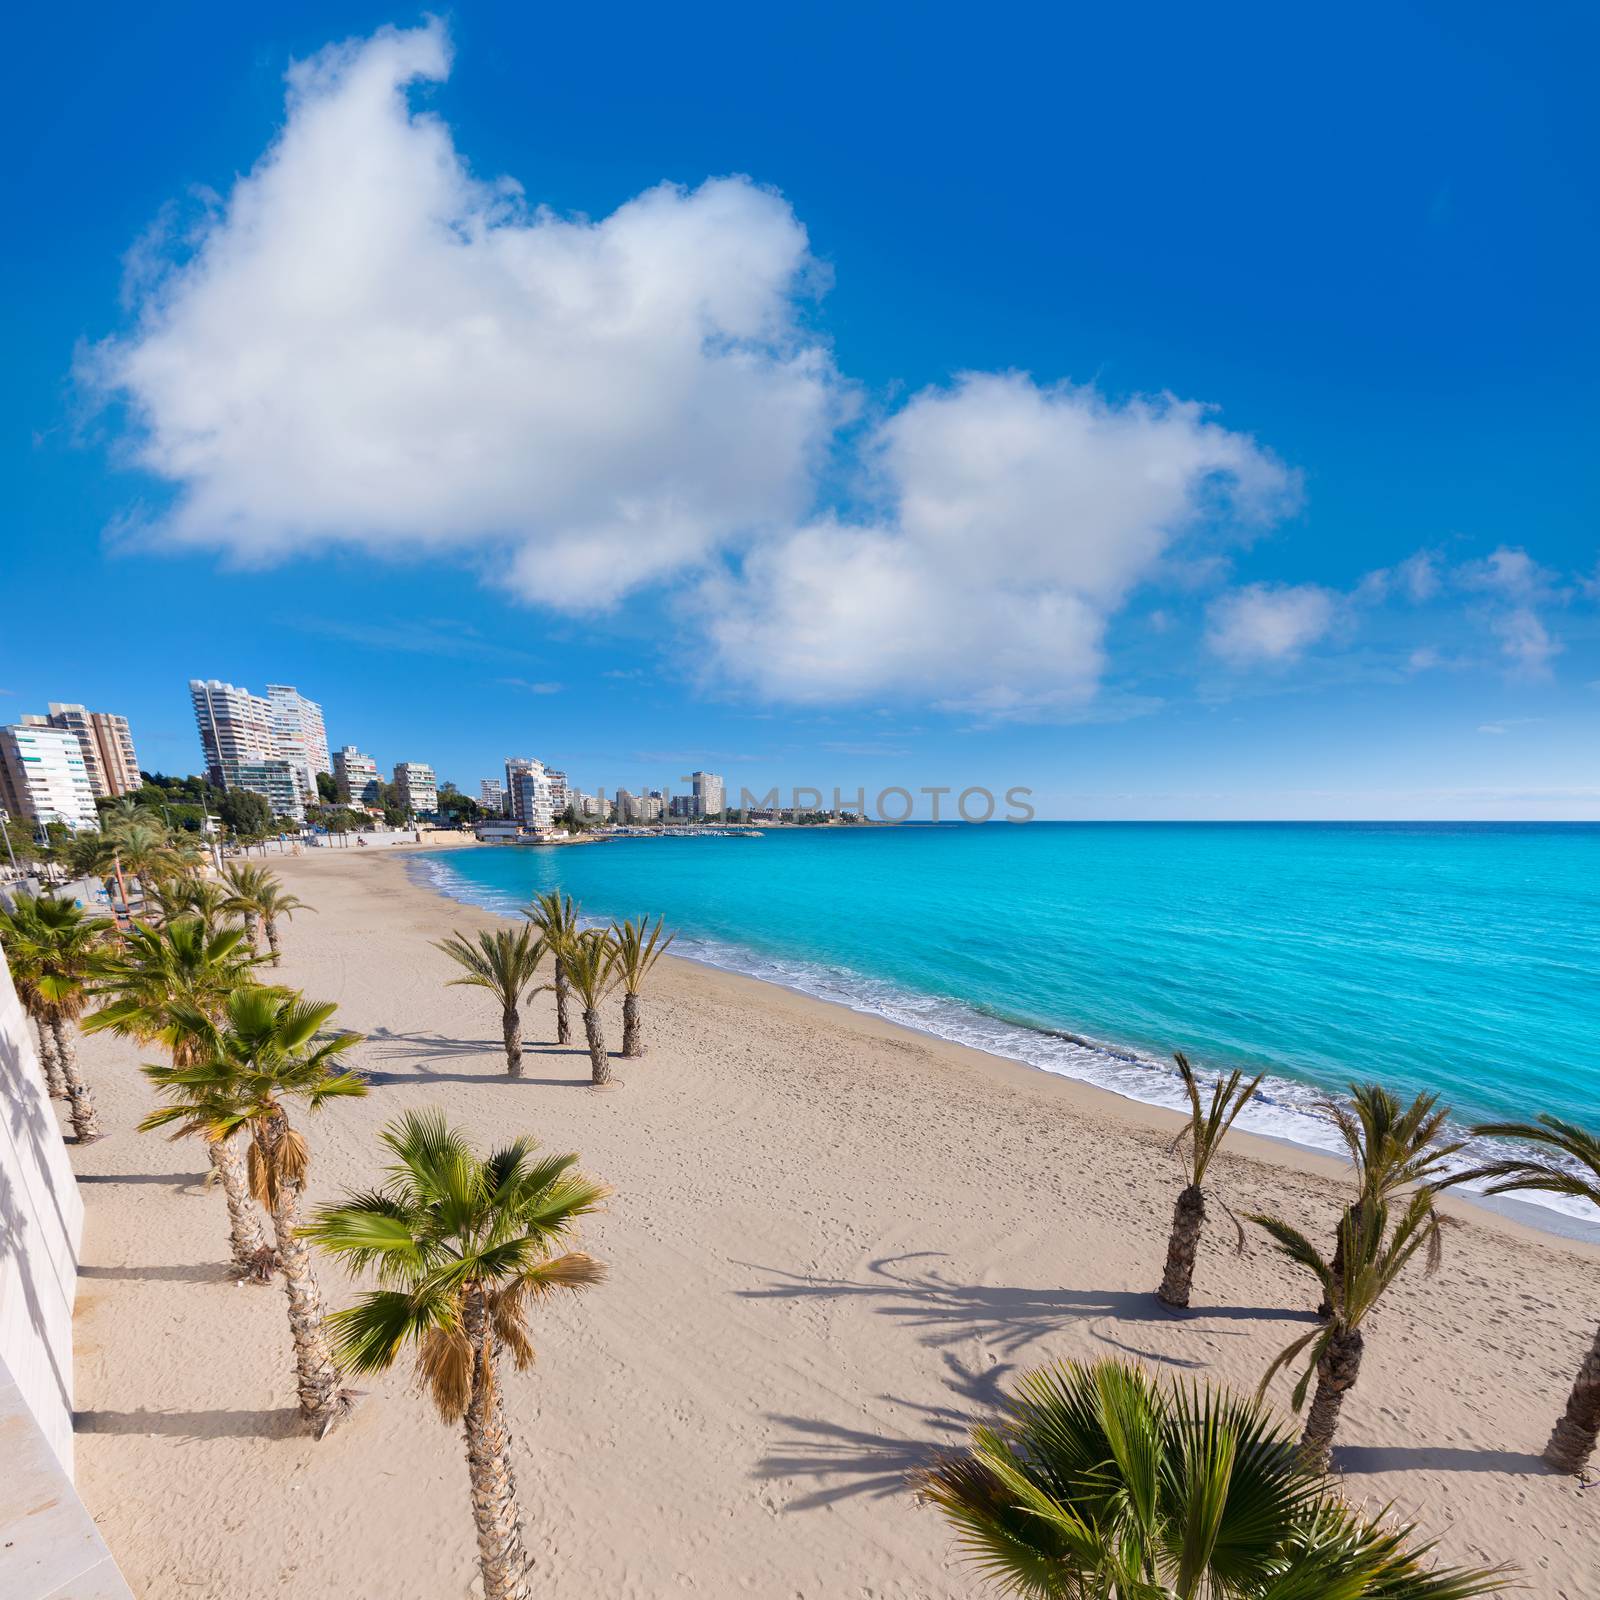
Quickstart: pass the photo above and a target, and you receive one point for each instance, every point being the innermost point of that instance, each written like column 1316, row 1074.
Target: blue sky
column 1176, row 415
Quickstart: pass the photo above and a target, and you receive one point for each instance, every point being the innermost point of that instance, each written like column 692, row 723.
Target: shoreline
column 833, row 1243
column 1524, row 1216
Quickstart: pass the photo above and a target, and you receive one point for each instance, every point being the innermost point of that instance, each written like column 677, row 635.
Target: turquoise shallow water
column 1457, row 958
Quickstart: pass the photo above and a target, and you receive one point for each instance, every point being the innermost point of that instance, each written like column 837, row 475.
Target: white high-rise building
column 416, row 788
column 43, row 776
column 356, row 776
column 709, row 793
column 235, row 727
column 528, row 792
column 492, row 796
column 107, row 746
column 298, row 735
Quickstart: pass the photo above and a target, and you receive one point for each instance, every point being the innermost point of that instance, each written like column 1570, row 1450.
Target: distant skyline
column 1178, row 417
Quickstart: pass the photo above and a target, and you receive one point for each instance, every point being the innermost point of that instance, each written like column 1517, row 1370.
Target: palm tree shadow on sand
column 944, row 1312
column 423, row 1048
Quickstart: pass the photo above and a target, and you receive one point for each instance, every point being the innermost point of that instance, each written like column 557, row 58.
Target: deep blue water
column 1457, row 958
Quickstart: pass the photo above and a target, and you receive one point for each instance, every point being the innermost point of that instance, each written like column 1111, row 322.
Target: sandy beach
column 831, row 1244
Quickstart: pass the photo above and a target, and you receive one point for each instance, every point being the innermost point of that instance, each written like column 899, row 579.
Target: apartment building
column 44, row 777
column 356, row 777
column 528, row 792
column 235, row 727
column 107, row 745
column 492, row 796
column 416, row 788
column 710, row 793
column 299, row 735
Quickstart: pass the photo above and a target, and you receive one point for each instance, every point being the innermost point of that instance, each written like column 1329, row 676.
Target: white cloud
column 1269, row 624
column 364, row 344
column 1515, row 587
column 1018, row 518
column 370, row 346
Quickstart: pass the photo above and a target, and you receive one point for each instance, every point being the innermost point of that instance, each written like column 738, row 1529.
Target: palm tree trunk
column 1337, row 1371
column 1573, row 1441
column 632, row 1026
column 322, row 1403
column 511, row 1023
column 85, row 1123
column 252, row 924
column 50, row 1061
column 1329, row 1298
column 599, row 1061
column 1188, row 1216
column 272, row 938
column 563, row 993
column 251, row 1252
column 502, row 1557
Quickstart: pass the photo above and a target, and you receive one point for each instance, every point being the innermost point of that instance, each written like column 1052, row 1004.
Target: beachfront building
column 276, row 780
column 106, row 743
column 299, row 735
column 709, row 793
column 43, row 775
column 559, row 792
column 356, row 777
column 492, row 796
column 272, row 745
column 416, row 788
column 235, row 726
column 528, row 792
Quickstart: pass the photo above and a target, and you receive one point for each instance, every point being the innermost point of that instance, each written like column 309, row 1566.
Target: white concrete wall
column 50, row 1548
column 41, row 1222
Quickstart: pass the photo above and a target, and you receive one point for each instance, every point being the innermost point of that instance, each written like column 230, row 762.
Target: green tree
column 1200, row 1139
column 267, row 1055
column 1371, row 1255
column 248, row 814
column 248, row 889
column 1393, row 1147
column 505, row 962
column 639, row 947
column 274, row 902
column 462, row 1248
column 17, row 938
column 56, row 952
column 1565, row 1160
column 160, row 980
column 1097, row 1484
column 555, row 915
column 591, row 959
column 327, row 788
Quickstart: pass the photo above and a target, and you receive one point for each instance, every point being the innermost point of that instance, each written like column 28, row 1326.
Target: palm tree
column 140, row 844
column 246, row 886
column 1098, row 1484
column 1371, row 1256
column 13, row 939
column 198, row 897
column 555, row 915
column 1205, row 1131
column 162, row 978
column 462, row 1247
column 1393, row 1148
column 505, row 962
column 639, row 947
column 1572, row 1168
column 57, row 951
column 273, row 902
column 591, row 962
column 266, row 1054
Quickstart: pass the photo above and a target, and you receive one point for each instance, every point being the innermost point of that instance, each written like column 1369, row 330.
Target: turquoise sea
column 1461, row 958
